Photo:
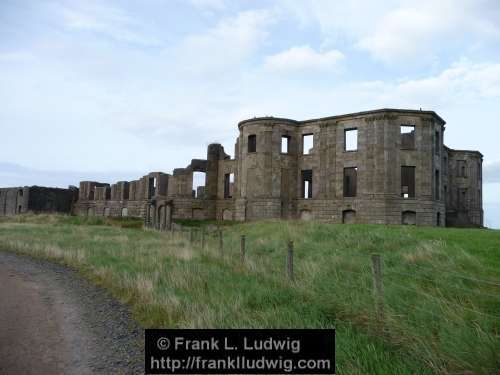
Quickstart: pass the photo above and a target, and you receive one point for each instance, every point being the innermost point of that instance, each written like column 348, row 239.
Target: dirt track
column 54, row 322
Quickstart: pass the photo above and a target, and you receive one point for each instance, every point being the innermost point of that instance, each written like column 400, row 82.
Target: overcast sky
column 112, row 90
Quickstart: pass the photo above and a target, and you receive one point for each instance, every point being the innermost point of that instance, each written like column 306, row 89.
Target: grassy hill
column 439, row 311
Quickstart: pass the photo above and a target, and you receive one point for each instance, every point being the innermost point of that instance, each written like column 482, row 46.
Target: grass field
column 441, row 287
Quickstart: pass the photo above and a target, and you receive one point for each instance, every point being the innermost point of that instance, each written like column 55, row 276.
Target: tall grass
column 441, row 286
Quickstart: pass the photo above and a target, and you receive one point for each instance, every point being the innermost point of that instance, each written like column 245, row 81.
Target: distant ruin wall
column 36, row 199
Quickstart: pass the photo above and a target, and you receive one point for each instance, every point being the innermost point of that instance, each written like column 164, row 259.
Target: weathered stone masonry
column 386, row 166
column 36, row 199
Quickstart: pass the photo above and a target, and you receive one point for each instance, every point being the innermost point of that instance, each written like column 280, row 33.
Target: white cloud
column 404, row 32
column 106, row 20
column 409, row 31
column 462, row 82
column 413, row 30
column 303, row 58
column 226, row 44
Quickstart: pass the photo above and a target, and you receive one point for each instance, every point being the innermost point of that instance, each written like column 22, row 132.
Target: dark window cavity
column 126, row 191
column 252, row 143
column 409, row 218
column 348, row 217
column 462, row 198
column 407, row 182
column 350, row 139
column 407, row 136
column 307, row 184
column 437, row 186
column 350, row 181
column 461, row 170
column 152, row 186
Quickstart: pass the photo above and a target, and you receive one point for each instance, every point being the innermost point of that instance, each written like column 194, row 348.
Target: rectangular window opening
column 126, row 191
column 407, row 182
column 228, row 185
column 151, row 191
column 438, row 185
column 461, row 170
column 198, row 187
column 307, row 184
column 252, row 143
column 407, row 136
column 350, row 139
column 350, row 181
column 462, row 198
column 307, row 144
column 285, row 144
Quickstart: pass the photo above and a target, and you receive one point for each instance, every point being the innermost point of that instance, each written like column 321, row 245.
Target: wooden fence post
column 242, row 248
column 221, row 243
column 289, row 260
column 378, row 289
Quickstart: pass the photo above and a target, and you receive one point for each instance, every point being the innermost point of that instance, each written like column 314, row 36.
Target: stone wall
column 464, row 202
column 271, row 181
column 36, row 199
column 399, row 172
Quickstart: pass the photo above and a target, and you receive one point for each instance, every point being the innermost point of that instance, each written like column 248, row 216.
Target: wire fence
column 393, row 292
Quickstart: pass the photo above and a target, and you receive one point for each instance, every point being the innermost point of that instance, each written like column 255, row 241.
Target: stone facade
column 36, row 199
column 386, row 166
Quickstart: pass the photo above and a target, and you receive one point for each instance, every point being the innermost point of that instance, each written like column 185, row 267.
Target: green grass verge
column 441, row 297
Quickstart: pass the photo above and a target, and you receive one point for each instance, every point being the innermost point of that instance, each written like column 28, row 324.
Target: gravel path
column 52, row 321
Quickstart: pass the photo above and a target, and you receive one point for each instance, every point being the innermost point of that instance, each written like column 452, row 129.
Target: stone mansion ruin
column 386, row 166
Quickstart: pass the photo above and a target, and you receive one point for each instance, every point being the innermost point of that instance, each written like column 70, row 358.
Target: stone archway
column 306, row 215
column 348, row 217
column 409, row 218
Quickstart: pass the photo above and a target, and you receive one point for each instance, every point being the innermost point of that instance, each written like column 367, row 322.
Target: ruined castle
column 386, row 166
